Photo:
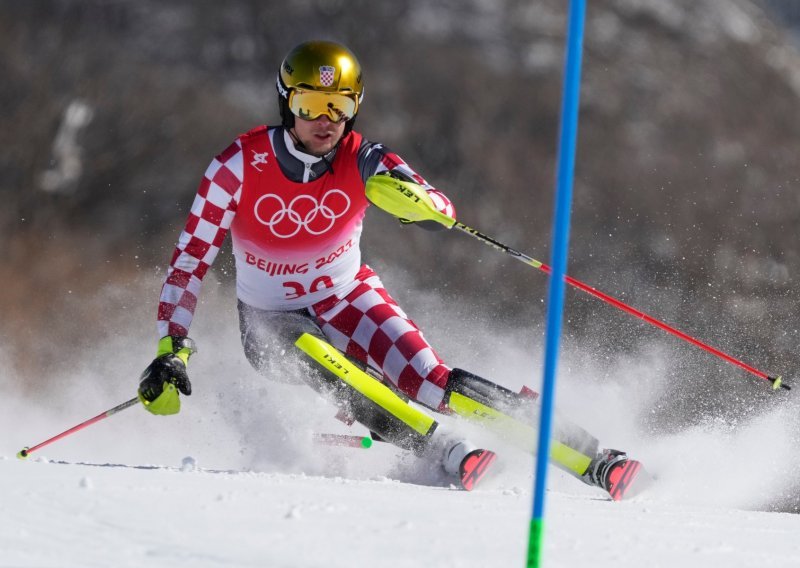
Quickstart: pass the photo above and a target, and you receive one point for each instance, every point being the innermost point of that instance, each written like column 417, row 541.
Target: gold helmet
column 320, row 77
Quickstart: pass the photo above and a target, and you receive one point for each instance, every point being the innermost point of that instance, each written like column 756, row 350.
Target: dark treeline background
column 686, row 198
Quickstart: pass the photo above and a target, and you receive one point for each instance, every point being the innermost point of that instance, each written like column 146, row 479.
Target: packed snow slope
column 236, row 480
column 61, row 514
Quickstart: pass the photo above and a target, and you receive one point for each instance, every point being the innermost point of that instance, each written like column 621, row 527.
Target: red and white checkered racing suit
column 296, row 245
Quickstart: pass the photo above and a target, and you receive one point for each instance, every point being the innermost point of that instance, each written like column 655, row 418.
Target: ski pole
column 410, row 201
column 777, row 382
column 25, row 452
column 343, row 440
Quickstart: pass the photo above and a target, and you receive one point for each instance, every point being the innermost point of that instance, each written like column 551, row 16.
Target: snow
column 71, row 514
column 236, row 480
column 300, row 504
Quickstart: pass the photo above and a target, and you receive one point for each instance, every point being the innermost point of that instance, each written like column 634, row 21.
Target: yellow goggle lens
column 310, row 105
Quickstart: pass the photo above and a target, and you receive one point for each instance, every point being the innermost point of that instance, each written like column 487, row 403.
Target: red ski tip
column 529, row 393
column 627, row 479
column 474, row 466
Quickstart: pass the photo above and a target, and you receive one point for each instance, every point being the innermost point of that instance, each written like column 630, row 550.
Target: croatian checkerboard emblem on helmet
column 326, row 73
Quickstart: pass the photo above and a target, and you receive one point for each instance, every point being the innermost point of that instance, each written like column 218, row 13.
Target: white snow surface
column 235, row 480
column 83, row 514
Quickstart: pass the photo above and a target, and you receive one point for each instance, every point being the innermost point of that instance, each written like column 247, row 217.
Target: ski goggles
column 310, row 105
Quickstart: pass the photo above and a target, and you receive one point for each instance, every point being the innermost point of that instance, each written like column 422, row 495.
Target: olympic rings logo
column 302, row 212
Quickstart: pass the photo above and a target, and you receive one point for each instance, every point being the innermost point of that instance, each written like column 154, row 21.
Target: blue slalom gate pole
column 555, row 304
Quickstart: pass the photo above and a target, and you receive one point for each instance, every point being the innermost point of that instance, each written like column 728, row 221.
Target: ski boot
column 612, row 471
column 469, row 463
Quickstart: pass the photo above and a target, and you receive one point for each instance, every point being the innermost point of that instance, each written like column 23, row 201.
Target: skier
column 293, row 198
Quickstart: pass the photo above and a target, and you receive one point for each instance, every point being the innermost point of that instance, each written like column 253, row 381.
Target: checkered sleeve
column 212, row 212
column 377, row 158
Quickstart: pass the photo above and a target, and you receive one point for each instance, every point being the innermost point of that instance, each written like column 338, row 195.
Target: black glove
column 167, row 372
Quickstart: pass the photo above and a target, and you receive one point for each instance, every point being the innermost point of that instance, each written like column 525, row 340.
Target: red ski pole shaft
column 24, row 452
column 343, row 440
column 777, row 382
